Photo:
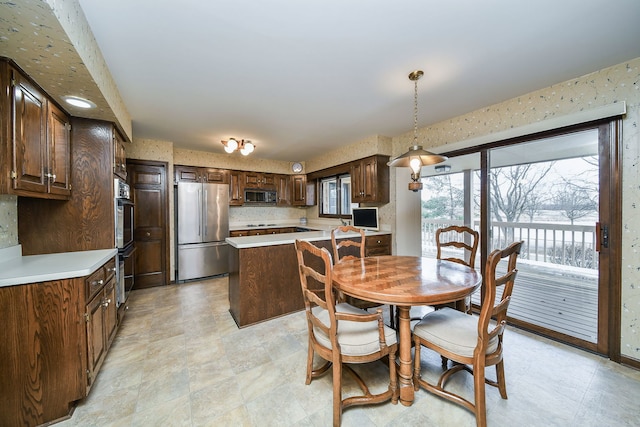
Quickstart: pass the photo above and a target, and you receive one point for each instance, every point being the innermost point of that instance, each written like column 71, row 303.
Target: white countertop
column 16, row 269
column 290, row 238
column 255, row 225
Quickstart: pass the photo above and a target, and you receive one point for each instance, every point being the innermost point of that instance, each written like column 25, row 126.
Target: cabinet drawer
column 95, row 282
column 378, row 245
column 109, row 269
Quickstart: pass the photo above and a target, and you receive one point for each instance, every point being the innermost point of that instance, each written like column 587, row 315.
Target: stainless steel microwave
column 260, row 196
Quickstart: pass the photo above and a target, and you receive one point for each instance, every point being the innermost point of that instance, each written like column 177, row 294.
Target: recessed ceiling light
column 79, row 102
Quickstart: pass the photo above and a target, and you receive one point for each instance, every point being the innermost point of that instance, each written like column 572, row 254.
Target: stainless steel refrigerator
column 203, row 225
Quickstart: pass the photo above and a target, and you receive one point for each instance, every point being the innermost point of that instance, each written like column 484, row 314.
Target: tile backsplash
column 8, row 221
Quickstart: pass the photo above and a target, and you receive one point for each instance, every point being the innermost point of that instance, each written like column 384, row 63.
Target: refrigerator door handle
column 204, row 216
column 200, row 212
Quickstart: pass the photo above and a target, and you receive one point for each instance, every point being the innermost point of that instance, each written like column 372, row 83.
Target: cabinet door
column 268, row 180
column 29, row 136
column 259, row 180
column 283, row 188
column 357, row 191
column 59, row 155
column 120, row 156
column 252, row 180
column 96, row 341
column 218, row 176
column 110, row 311
column 151, row 222
column 369, row 180
column 236, row 188
column 186, row 174
column 299, row 196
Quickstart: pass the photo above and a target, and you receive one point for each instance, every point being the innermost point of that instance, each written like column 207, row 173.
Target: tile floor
column 180, row 360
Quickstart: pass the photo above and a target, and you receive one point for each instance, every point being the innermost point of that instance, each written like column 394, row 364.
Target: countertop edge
column 290, row 238
column 42, row 268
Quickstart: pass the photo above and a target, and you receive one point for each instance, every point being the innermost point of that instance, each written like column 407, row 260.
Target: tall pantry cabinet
column 87, row 220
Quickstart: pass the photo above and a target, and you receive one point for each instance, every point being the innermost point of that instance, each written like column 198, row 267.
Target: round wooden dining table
column 405, row 281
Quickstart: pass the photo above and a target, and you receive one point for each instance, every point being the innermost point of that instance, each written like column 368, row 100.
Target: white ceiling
column 302, row 77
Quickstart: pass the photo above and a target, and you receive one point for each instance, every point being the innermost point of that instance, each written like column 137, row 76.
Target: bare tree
column 533, row 205
column 575, row 202
column 514, row 187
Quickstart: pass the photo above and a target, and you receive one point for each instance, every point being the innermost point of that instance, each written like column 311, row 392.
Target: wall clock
column 296, row 167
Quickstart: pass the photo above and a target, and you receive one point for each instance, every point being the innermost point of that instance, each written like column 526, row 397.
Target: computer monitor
column 366, row 218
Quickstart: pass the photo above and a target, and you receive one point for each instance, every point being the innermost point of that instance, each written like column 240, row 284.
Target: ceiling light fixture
column 245, row 146
column 442, row 168
column 78, row 102
column 416, row 157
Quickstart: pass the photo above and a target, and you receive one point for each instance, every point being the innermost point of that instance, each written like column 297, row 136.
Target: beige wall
column 573, row 97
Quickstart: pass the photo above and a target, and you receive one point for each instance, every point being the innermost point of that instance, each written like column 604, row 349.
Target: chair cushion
column 355, row 338
column 452, row 330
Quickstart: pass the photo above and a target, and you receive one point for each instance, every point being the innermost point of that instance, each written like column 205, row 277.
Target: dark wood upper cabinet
column 370, row 180
column 259, row 180
column 236, row 188
column 86, row 221
column 119, row 156
column 303, row 193
column 200, row 174
column 35, row 153
column 283, row 187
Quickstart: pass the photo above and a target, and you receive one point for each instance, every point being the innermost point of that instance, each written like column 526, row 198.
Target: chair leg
column 393, row 378
column 479, row 395
column 337, row 392
column 443, row 362
column 502, row 384
column 309, row 364
column 392, row 318
column 416, row 364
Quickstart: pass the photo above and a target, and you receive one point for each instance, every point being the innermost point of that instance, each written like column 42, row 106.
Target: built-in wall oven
column 124, row 229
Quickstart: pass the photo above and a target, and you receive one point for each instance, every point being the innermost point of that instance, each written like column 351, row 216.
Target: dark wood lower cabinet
column 149, row 189
column 53, row 340
column 264, row 281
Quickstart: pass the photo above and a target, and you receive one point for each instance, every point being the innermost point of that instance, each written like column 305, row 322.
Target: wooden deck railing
column 563, row 244
column 557, row 283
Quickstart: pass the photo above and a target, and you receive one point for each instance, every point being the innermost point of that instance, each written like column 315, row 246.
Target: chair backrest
column 460, row 237
column 493, row 307
column 315, row 268
column 343, row 249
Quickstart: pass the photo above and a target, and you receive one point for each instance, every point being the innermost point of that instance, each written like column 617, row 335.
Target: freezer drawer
column 202, row 260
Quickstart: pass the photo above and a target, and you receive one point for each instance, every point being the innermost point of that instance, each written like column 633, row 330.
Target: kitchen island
column 263, row 271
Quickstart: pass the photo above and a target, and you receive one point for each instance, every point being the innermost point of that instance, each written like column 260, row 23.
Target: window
column 335, row 192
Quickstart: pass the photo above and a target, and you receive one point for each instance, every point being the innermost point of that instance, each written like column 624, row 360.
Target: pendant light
column 416, row 157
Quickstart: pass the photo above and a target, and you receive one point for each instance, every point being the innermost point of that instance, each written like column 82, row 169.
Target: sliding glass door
column 555, row 193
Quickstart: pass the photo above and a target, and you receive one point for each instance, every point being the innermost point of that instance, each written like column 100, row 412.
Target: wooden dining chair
column 473, row 342
column 346, row 249
column 463, row 241
column 341, row 333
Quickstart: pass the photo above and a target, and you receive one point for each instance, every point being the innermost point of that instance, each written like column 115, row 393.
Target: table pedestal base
column 405, row 371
